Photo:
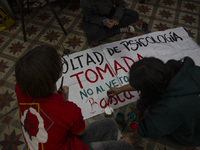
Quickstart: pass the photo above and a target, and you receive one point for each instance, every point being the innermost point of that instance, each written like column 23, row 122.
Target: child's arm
column 117, row 90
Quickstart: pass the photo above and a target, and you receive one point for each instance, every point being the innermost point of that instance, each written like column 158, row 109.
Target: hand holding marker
column 64, row 90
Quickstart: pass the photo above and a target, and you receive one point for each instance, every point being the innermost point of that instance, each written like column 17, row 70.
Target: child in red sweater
column 49, row 121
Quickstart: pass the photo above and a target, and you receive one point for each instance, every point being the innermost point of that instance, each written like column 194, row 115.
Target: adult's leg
column 102, row 135
column 96, row 33
column 101, row 130
column 128, row 18
column 110, row 145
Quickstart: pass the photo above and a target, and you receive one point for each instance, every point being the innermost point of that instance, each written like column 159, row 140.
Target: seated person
column 170, row 99
column 49, row 121
column 104, row 18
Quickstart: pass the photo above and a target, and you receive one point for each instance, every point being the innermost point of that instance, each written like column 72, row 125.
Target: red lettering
column 116, row 64
column 96, row 74
column 138, row 93
column 105, row 103
column 77, row 77
column 111, row 100
column 126, row 94
column 120, row 99
column 139, row 56
column 106, row 68
column 125, row 60
column 117, row 99
column 86, row 75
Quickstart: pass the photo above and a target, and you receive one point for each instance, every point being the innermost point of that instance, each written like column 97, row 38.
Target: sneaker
column 144, row 26
column 129, row 29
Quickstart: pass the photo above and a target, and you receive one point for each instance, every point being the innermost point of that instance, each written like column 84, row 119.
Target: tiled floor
column 42, row 28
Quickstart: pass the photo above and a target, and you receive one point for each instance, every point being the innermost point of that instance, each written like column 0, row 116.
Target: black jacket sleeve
column 119, row 10
column 89, row 14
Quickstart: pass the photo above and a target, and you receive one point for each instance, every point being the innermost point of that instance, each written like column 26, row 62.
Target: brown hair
column 151, row 76
column 38, row 71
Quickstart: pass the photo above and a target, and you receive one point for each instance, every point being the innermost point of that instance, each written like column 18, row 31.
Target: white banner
column 90, row 73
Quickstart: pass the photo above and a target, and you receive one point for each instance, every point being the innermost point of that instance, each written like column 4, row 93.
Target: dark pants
column 96, row 33
column 102, row 135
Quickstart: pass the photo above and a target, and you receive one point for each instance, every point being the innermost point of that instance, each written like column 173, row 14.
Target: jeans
column 102, row 135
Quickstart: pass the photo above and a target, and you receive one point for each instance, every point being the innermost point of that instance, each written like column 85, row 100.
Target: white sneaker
column 129, row 29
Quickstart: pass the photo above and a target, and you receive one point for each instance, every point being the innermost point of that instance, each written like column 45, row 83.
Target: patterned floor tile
column 5, row 66
column 66, row 20
column 51, row 36
column 79, row 27
column 193, row 33
column 3, row 40
column 74, row 42
column 44, row 16
column 190, row 6
column 16, row 48
column 32, row 30
column 144, row 9
column 189, row 19
column 160, row 26
column 11, row 78
column 169, row 3
column 8, row 100
column 12, row 140
column 166, row 14
column 13, row 29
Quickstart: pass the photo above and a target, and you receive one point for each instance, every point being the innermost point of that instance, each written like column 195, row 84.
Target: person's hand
column 109, row 24
column 113, row 91
column 65, row 91
column 114, row 22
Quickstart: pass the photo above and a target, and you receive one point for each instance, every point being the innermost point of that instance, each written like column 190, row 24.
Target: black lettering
column 89, row 59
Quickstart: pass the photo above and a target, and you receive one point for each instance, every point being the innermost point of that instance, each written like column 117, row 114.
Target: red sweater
column 50, row 123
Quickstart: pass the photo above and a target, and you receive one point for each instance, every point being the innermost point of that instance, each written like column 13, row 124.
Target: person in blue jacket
column 104, row 18
column 169, row 104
